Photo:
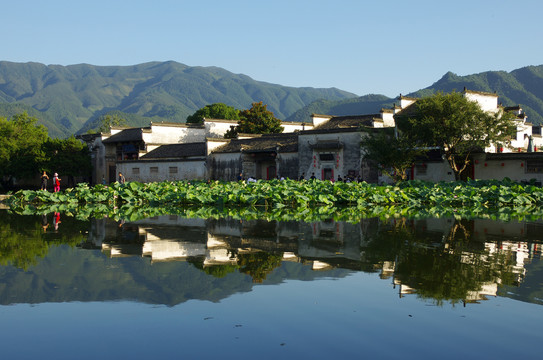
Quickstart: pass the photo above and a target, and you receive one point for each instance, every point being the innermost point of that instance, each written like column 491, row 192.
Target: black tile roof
column 268, row 142
column 349, row 121
column 126, row 135
column 173, row 151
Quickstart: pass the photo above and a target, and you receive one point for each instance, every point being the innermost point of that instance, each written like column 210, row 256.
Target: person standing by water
column 44, row 179
column 122, row 180
column 56, row 183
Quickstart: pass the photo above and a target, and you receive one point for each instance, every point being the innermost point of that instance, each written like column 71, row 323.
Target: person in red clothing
column 56, row 183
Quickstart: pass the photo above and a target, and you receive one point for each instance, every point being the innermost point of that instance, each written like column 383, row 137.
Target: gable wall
column 224, row 166
column 174, row 135
column 345, row 159
column 486, row 102
column 217, row 129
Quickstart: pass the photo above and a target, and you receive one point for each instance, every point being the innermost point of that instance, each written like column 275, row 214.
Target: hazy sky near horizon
column 365, row 47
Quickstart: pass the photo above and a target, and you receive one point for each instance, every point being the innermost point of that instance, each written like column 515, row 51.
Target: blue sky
column 365, row 47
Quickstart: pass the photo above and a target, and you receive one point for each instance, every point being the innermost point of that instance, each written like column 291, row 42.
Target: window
column 534, row 166
column 135, row 171
column 327, row 157
column 173, row 169
column 153, row 170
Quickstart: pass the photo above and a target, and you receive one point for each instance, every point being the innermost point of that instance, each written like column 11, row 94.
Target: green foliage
column 21, row 141
column 294, row 200
column 26, row 150
column 256, row 120
column 457, row 125
column 394, row 155
column 521, row 86
column 69, row 157
column 214, row 111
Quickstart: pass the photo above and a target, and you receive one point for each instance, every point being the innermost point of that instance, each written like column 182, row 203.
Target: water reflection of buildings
column 218, row 242
column 501, row 248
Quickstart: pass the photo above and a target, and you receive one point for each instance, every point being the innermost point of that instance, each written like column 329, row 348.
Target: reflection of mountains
column 169, row 259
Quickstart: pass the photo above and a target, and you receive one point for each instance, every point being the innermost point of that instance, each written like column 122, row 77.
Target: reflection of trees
column 25, row 239
column 259, row 265
column 449, row 266
column 218, row 271
column 21, row 248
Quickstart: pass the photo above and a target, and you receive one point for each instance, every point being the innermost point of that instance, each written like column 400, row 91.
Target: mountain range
column 70, row 99
column 522, row 87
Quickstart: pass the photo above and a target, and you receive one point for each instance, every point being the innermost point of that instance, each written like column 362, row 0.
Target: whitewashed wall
column 290, row 127
column 319, row 119
column 216, row 128
column 487, row 102
column 212, row 144
column 500, row 169
column 405, row 101
column 174, row 134
column 388, row 118
column 435, row 171
column 186, row 170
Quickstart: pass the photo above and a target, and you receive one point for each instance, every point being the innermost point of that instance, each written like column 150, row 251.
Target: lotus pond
column 118, row 277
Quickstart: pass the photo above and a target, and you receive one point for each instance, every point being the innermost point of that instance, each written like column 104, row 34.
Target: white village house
column 327, row 147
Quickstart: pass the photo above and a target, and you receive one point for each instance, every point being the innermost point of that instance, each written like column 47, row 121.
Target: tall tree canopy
column 68, row 157
column 393, row 155
column 21, row 153
column 26, row 150
column 214, row 111
column 457, row 125
column 256, row 120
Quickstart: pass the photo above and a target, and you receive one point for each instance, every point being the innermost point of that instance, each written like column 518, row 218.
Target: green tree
column 256, row 120
column 457, row 125
column 393, row 154
column 68, row 157
column 214, row 111
column 108, row 121
column 21, row 153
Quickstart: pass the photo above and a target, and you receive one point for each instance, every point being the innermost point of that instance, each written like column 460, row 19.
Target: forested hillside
column 70, row 99
column 72, row 96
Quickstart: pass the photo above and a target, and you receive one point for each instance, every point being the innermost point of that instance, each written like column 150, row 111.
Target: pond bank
column 3, row 198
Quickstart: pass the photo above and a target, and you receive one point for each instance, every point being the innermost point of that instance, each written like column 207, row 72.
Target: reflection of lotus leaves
column 284, row 213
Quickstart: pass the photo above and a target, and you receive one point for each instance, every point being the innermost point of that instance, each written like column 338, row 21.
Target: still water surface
column 172, row 287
